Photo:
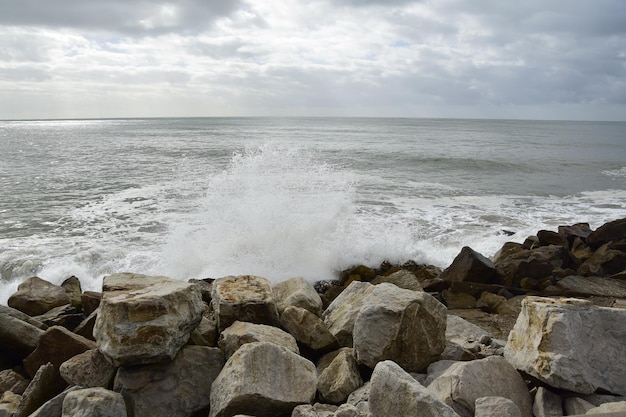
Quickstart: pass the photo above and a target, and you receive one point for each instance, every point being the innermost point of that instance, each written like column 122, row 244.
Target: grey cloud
column 140, row 17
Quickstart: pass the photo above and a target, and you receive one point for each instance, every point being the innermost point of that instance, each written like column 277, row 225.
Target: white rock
column 297, row 292
column 340, row 315
column 263, row 379
column 393, row 392
column 570, row 344
column 145, row 319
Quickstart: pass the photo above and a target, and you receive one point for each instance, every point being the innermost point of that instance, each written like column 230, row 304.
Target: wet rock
column 471, row 266
column 18, row 338
column 66, row 315
column 609, row 232
column 308, row 330
column 464, row 382
column 94, row 402
column 541, row 344
column 56, row 346
column 145, row 319
column 577, row 231
column 340, row 378
column 240, row 333
column 297, row 292
column 74, row 291
column 548, row 237
column 407, row 327
column 35, row 296
column 88, row 369
column 172, row 389
column 393, row 392
column 85, row 327
column 90, row 300
column 402, row 278
column 245, row 298
column 263, row 379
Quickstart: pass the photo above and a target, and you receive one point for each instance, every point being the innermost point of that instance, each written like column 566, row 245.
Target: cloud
column 140, row 17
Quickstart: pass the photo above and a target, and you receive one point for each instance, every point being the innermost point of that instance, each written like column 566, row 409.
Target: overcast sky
column 546, row 59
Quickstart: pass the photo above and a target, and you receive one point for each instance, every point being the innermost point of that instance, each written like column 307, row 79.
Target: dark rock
column 41, row 389
column 455, row 300
column 357, row 273
column 604, row 261
column 471, row 266
column 35, row 296
column 577, row 231
column 206, row 287
column 74, row 290
column 18, row 338
column 85, row 327
column 66, row 316
column 548, row 237
column 609, row 232
column 90, row 301
column 402, row 278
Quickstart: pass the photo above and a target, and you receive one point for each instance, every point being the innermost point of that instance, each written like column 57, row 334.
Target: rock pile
column 538, row 330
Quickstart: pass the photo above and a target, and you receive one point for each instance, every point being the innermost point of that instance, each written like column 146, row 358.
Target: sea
column 285, row 197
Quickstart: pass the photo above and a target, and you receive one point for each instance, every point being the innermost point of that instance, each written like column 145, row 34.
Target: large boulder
column 241, row 332
column 145, row 319
column 393, row 392
column 547, row 403
column 74, row 290
column 578, row 286
column 56, row 346
column 402, row 278
column 496, row 406
column 464, row 382
column 244, row 298
column 339, row 378
column 263, row 379
column 308, row 330
column 54, row 406
column 471, row 266
column 609, row 232
column 570, row 344
column 297, row 292
column 340, row 315
column 35, row 296
column 94, row 402
column 405, row 326
column 88, row 369
column 40, row 389
column 172, row 389
column 18, row 337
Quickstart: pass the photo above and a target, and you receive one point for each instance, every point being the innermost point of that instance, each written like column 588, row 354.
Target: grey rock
column 315, row 410
column 575, row 406
column 547, row 403
column 308, row 329
column 340, row 378
column 40, row 390
column 615, row 407
column 402, row 278
column 263, row 379
column 297, row 292
column 340, row 315
column 74, row 291
column 94, row 402
column 496, row 406
column 240, row 333
column 54, row 406
column 88, row 369
column 12, row 381
column 172, row 389
column 35, row 296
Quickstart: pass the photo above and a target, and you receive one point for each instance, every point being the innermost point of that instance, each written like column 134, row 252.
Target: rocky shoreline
column 538, row 330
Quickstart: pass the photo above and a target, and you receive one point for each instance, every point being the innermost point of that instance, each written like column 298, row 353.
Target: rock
column 616, row 407
column 458, row 300
column 12, row 381
column 206, row 288
column 297, row 292
column 461, row 329
column 507, row 250
column 393, row 392
column 263, row 379
column 470, row 265
column 496, row 406
column 547, row 404
column 571, row 233
column 85, row 327
column 604, row 261
column 347, row 410
column 464, row 382
column 407, row 327
column 576, row 406
column 172, row 389
column 575, row 285
column 308, row 330
column 40, row 390
column 145, row 319
column 340, row 378
column 436, row 369
column 541, row 342
column 94, row 402
column 402, row 278
column 90, row 300
column 88, row 369
column 56, row 346
column 66, row 315
column 240, row 333
column 357, row 273
column 18, row 338
column 54, row 406
column 548, row 237
column 35, row 296
column 206, row 332
column 315, row 410
column 9, row 401
column 360, row 399
column 340, row 315
column 609, row 232
column 74, row 291
column 244, row 298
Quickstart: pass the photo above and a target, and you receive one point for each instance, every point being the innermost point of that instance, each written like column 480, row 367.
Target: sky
column 533, row 59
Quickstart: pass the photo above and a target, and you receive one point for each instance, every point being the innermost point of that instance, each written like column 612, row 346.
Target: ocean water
column 208, row 197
